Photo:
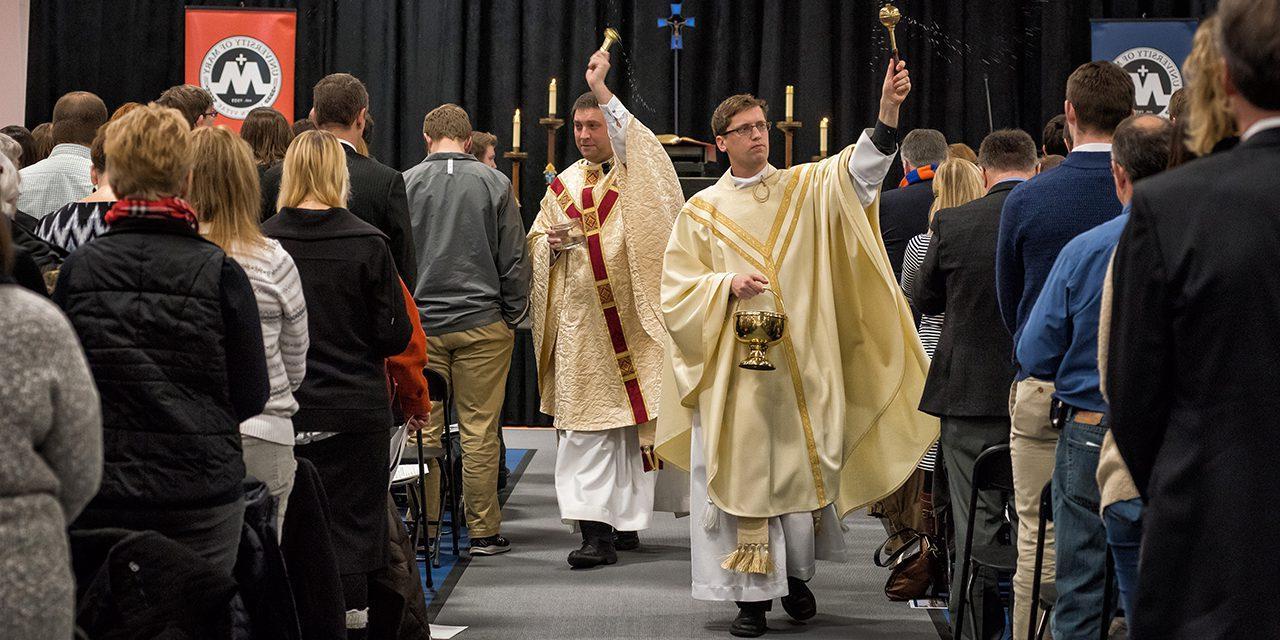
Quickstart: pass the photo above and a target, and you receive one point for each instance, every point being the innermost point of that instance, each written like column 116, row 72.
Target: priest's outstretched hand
column 897, row 84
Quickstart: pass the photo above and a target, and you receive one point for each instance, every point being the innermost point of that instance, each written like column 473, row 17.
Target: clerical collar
column 604, row 167
column 742, row 183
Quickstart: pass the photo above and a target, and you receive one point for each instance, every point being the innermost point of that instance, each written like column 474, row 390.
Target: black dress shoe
column 751, row 622
column 592, row 554
column 799, row 602
column 626, row 540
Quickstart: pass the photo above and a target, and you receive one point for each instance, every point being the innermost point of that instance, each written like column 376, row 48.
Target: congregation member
column 484, row 148
column 224, row 193
column 356, row 318
column 193, row 102
column 971, row 371
column 1210, row 120
column 1049, row 162
column 1039, row 218
column 1060, row 345
column 377, row 194
column 596, row 249
column 29, row 249
column 50, row 449
column 301, row 125
column 28, row 144
column 1191, row 350
column 778, row 458
column 962, row 151
column 76, row 223
column 21, row 268
column 269, row 135
column 955, row 183
column 42, row 135
column 473, row 289
column 1055, row 140
column 170, row 327
column 904, row 212
column 64, row 175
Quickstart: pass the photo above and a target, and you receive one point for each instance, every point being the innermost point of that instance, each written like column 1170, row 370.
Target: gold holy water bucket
column 758, row 330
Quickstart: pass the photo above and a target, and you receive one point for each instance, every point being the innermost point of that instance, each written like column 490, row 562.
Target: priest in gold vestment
column 778, row 458
column 598, row 331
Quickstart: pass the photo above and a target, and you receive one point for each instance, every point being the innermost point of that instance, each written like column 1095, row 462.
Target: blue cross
column 677, row 22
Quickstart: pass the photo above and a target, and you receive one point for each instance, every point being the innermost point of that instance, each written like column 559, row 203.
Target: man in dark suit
column 341, row 107
column 1192, row 383
column 971, row 372
column 904, row 212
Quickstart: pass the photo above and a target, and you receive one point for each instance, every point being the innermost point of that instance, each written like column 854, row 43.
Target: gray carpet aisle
column 531, row 592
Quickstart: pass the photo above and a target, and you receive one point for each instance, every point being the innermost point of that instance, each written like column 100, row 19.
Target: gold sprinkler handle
column 610, row 36
column 889, row 17
column 777, row 298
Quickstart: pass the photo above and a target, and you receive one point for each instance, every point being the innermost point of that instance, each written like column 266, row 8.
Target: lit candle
column 822, row 138
column 515, row 132
column 551, row 99
column 791, row 99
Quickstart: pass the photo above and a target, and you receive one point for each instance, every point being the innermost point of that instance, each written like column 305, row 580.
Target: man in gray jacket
column 473, row 287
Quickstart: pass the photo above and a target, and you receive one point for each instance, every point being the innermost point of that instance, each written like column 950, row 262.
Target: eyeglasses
column 210, row 114
column 746, row 129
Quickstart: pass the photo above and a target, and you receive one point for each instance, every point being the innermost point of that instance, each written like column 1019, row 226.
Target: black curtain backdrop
column 492, row 56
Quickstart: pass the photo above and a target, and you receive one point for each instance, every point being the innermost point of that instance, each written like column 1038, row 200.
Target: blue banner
column 1152, row 51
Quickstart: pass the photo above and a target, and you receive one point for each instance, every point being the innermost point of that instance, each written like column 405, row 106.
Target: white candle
column 515, row 132
column 791, row 99
column 551, row 99
column 822, row 138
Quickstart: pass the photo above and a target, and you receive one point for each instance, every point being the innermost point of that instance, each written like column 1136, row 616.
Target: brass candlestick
column 610, row 36
column 551, row 124
column 889, row 17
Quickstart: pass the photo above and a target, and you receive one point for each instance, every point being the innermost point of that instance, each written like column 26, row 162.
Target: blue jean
column 1124, row 535
column 1082, row 542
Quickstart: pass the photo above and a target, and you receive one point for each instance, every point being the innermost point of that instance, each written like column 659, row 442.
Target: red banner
column 244, row 58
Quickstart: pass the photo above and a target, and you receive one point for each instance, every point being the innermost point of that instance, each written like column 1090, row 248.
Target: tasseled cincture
column 710, row 516
column 749, row 558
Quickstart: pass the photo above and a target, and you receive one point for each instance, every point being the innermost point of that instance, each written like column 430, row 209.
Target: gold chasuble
column 837, row 421
column 597, row 325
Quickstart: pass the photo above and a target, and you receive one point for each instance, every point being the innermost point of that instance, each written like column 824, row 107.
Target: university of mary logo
column 242, row 73
column 1155, row 78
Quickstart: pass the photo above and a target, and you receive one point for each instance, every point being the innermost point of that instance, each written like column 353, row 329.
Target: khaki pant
column 475, row 362
column 1032, row 444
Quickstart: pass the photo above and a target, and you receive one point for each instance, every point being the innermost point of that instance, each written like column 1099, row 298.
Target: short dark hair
column 732, row 106
column 924, row 146
column 305, row 124
column 191, row 101
column 584, row 101
column 338, row 99
column 1102, row 95
column 447, row 121
column 481, row 140
column 23, row 137
column 76, row 118
column 1054, row 138
column 1247, row 32
column 1008, row 150
column 1141, row 145
column 98, row 150
column 43, row 137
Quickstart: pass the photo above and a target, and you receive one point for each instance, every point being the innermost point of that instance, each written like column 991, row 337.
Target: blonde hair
column 224, row 189
column 956, row 181
column 314, row 167
column 1208, row 113
column 148, row 153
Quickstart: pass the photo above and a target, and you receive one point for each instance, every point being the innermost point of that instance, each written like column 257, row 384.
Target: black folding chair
column 992, row 471
column 441, row 393
column 1046, row 597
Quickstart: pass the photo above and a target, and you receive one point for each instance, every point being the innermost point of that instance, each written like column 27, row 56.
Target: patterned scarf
column 171, row 208
column 919, row 174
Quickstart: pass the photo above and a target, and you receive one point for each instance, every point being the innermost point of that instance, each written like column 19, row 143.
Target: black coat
column 377, row 197
column 170, row 327
column 1195, row 392
column 356, row 318
column 904, row 214
column 971, row 371
column 310, row 558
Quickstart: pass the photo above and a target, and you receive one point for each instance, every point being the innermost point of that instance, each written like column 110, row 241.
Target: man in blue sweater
column 1060, row 343
column 1039, row 218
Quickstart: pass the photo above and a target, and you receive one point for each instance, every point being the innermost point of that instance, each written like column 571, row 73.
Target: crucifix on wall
column 677, row 23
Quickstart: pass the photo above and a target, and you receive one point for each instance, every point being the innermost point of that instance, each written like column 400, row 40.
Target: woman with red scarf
column 169, row 324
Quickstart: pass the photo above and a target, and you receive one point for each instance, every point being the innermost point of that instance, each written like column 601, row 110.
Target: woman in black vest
column 356, row 318
column 170, row 327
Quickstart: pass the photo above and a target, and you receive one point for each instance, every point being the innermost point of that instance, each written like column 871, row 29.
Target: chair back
column 1046, row 502
column 993, row 470
column 437, row 386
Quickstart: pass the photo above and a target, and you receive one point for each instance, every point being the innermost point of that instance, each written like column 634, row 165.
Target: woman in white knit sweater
column 224, row 193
